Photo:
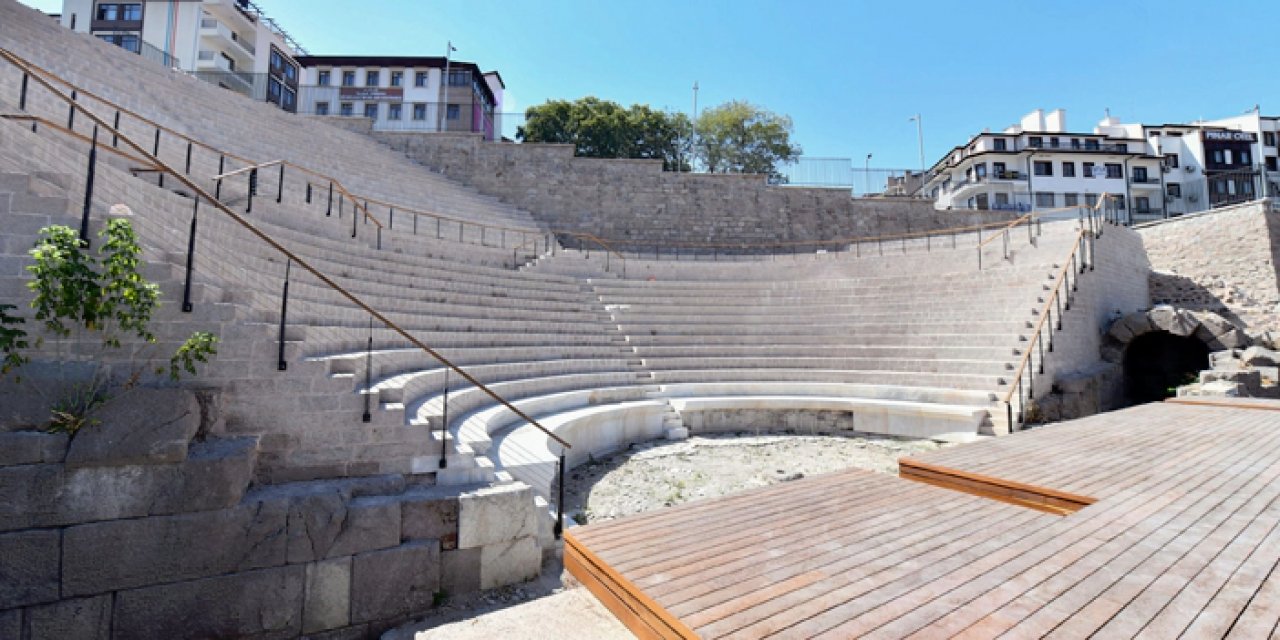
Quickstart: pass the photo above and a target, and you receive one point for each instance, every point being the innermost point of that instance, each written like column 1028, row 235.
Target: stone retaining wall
column 137, row 528
column 1223, row 261
column 633, row 203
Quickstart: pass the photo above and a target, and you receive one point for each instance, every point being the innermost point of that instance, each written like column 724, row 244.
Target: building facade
column 231, row 43
column 401, row 93
column 1153, row 171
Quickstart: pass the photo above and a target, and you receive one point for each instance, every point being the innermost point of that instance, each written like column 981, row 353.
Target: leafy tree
column 739, row 137
column 79, row 296
column 604, row 129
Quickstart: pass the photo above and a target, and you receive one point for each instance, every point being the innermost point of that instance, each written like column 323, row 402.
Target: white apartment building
column 1156, row 171
column 232, row 43
column 1040, row 164
column 404, row 93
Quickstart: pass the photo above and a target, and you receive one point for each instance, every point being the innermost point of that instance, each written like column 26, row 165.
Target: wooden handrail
column 217, row 204
column 260, row 165
column 78, row 136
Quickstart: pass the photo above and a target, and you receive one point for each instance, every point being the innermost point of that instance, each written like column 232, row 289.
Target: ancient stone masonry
column 1223, row 261
column 133, row 529
column 636, row 204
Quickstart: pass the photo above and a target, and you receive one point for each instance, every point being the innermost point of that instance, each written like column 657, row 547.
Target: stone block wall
column 633, row 203
column 1225, row 261
column 137, row 528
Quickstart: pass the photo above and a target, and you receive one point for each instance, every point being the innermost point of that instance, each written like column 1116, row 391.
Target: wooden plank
column 1257, row 404
column 1021, row 494
column 589, row 569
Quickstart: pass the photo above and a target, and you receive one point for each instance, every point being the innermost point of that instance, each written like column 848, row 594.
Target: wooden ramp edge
column 637, row 611
column 1259, row 404
column 1024, row 495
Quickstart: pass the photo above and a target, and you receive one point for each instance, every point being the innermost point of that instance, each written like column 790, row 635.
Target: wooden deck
column 1170, row 529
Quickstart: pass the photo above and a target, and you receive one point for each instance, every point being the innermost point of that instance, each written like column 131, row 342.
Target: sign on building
column 369, row 94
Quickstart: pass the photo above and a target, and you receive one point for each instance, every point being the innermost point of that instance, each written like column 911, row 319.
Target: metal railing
column 150, row 157
column 1081, row 258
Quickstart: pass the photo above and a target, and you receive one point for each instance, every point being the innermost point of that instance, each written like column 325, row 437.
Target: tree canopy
column 739, row 137
column 605, row 129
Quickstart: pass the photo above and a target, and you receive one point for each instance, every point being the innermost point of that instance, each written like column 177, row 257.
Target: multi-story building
column 1155, row 171
column 1040, row 164
column 231, row 43
column 403, row 93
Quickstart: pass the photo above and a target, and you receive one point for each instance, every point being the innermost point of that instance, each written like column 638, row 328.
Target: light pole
column 448, row 51
column 693, row 127
column 866, row 175
column 920, row 139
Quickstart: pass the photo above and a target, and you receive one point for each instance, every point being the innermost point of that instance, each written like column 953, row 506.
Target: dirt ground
column 643, row 478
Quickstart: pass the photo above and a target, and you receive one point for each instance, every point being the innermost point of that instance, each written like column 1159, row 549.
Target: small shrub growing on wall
column 88, row 304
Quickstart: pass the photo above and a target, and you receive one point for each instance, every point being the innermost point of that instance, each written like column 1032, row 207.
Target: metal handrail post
column 281, row 365
column 368, row 376
column 191, row 256
column 88, row 188
column 444, row 425
column 559, row 528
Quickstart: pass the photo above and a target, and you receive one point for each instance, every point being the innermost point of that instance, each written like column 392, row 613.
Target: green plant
column 90, row 303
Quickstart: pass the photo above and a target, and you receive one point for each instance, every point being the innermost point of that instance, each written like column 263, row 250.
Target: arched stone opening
column 1157, row 363
column 1163, row 348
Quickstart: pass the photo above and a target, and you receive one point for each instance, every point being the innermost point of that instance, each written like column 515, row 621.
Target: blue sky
column 850, row 74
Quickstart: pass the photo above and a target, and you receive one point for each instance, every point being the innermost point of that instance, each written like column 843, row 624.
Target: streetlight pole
column 693, row 127
column 920, row 139
column 448, row 51
column 866, row 176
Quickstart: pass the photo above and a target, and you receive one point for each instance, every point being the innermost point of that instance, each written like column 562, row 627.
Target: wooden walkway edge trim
column 637, row 611
column 1225, row 403
column 1024, row 495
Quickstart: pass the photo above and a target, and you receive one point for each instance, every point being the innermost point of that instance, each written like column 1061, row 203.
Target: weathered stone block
column 1249, row 380
column 510, row 562
column 327, row 604
column 28, row 568
column 430, row 513
column 394, row 582
column 1174, row 321
column 1261, row 357
column 1217, row 388
column 88, row 618
column 263, row 603
column 148, row 426
column 460, row 571
column 495, row 514
column 32, row 447
column 1226, row 359
column 107, row 556
column 328, row 524
column 215, row 475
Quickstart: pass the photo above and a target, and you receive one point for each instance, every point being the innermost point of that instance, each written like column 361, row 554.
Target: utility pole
column 693, row 127
column 445, row 82
column 920, row 139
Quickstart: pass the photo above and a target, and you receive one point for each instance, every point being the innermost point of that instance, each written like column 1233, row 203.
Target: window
column 1269, row 138
column 1246, row 186
column 393, row 111
column 371, row 110
column 1142, row 204
column 397, row 78
column 1271, row 163
column 1044, row 199
column 1035, row 141
column 998, row 169
column 419, row 111
column 126, row 41
column 1002, row 199
column 420, row 79
column 1115, row 171
column 345, row 109
column 999, row 144
column 459, row 78
column 322, row 78
column 1053, row 143
column 1173, row 190
column 454, row 112
column 982, row 201
column 1122, row 147
column 1070, row 199
column 322, row 108
column 980, row 170
column 1119, row 200
column 1171, row 160
column 1075, row 143
column 371, row 78
column 1244, row 157
column 348, row 78
column 1139, row 174
column 1218, row 156
column 273, row 91
column 289, row 100
column 1087, row 169
column 112, row 11
column 1091, row 144
column 1043, row 168
column 1068, row 169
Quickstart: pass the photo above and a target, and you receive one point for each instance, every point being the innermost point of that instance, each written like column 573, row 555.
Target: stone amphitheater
column 420, row 334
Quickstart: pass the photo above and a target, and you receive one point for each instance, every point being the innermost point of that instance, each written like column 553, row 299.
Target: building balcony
column 215, row 30
column 1149, row 182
